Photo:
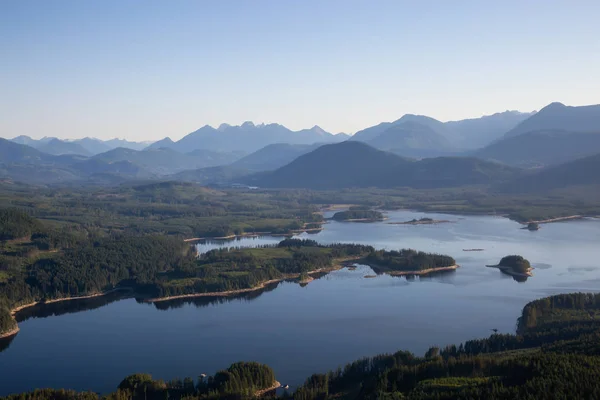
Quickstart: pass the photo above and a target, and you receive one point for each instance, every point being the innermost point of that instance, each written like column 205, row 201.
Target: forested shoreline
column 555, row 354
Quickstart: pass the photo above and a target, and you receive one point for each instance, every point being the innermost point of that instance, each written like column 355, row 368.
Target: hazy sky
column 148, row 69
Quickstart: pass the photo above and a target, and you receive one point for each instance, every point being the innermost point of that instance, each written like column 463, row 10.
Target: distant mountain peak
column 223, row 127
column 248, row 124
column 317, row 129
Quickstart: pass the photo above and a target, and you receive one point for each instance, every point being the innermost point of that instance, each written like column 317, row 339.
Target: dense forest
column 406, row 260
column 516, row 263
column 554, row 355
column 358, row 215
column 242, row 380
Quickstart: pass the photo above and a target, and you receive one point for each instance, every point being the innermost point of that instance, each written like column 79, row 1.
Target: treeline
column 407, row 260
column 227, row 269
column 17, row 224
column 563, row 362
column 358, row 214
column 240, row 381
column 96, row 266
column 516, row 263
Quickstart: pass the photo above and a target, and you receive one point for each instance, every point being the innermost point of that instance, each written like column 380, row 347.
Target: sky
column 144, row 70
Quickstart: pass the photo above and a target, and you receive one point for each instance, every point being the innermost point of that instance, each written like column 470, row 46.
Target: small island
column 532, row 226
column 358, row 215
column 421, row 221
column 514, row 265
column 408, row 262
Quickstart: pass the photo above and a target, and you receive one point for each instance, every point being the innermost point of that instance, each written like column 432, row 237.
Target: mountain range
column 86, row 146
column 247, row 137
column 355, row 164
column 415, row 151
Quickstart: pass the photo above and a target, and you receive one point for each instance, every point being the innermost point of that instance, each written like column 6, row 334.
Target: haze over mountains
column 415, row 151
column 247, row 137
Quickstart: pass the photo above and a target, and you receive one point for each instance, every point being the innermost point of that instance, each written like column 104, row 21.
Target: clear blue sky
column 144, row 70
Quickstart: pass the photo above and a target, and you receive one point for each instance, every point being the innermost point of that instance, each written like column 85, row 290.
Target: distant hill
column 166, row 142
column 557, row 116
column 86, row 146
column 441, row 136
column 225, row 174
column 581, row 172
column 274, row 156
column 165, row 161
column 355, row 164
column 479, row 132
column 542, row 148
column 247, row 137
column 58, row 147
column 11, row 152
column 410, row 139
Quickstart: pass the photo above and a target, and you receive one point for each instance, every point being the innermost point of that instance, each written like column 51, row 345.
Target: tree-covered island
column 358, row 215
column 408, row 262
column 514, row 265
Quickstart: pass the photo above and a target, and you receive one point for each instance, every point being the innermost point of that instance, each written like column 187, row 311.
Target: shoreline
column 254, row 234
column 7, row 334
column 337, row 265
column 509, row 271
column 434, row 222
column 557, row 219
column 15, row 310
column 276, row 385
column 423, row 271
column 383, row 270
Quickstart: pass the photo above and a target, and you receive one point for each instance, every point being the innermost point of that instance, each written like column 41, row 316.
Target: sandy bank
column 510, row 271
column 558, row 219
column 255, row 234
column 35, row 303
column 423, row 271
column 337, row 264
column 9, row 333
column 276, row 385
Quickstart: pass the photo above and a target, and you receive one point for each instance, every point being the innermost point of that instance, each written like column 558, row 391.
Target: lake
column 94, row 344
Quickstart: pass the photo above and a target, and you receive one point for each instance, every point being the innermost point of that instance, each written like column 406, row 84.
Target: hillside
column 461, row 134
column 11, row 152
column 557, row 116
column 355, row 164
column 581, row 172
column 59, row 147
column 479, row 132
column 165, row 161
column 411, row 139
column 547, row 147
column 273, row 156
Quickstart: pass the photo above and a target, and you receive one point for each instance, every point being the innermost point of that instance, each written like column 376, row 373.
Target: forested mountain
column 479, row 132
column 274, row 156
column 541, row 148
column 584, row 171
column 59, row 147
column 11, row 152
column 355, row 164
column 557, row 116
column 437, row 136
column 247, row 137
column 411, row 139
column 165, row 161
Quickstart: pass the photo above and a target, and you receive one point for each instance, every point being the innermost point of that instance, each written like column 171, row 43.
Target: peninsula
column 408, row 262
column 421, row 221
column 358, row 216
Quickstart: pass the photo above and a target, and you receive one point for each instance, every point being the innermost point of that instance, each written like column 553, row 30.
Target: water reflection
column 5, row 342
column 44, row 310
column 205, row 301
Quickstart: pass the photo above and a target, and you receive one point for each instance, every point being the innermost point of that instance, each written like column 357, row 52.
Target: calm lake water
column 301, row 330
